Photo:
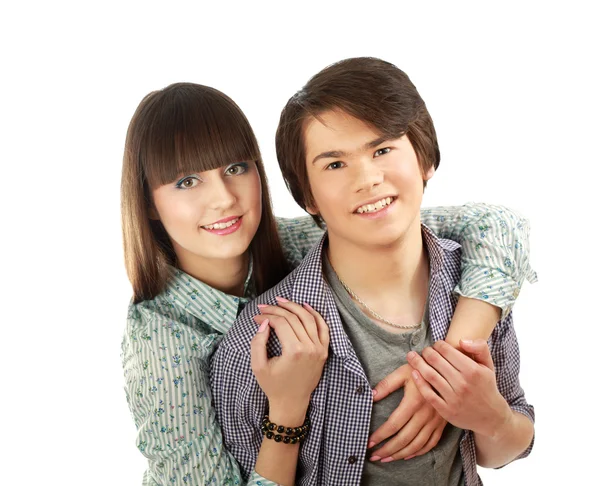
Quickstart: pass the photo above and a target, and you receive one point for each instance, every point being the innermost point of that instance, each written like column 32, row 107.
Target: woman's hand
column 289, row 380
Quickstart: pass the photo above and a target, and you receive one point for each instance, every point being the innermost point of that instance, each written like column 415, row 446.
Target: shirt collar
column 212, row 306
column 310, row 285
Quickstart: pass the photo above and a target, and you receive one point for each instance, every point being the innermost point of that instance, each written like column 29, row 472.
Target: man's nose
column 368, row 176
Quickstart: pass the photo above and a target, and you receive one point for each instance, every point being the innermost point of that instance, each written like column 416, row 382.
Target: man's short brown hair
column 369, row 89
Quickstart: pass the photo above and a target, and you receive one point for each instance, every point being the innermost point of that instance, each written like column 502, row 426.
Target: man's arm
column 511, row 437
column 470, row 394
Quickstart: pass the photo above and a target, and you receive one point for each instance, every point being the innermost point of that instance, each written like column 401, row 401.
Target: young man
column 356, row 147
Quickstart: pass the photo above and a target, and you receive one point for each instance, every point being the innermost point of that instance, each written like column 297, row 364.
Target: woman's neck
column 226, row 275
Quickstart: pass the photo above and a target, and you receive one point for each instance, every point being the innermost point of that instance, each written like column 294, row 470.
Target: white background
column 512, row 88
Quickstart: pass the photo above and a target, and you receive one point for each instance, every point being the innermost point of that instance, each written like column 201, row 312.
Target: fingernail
column 262, row 306
column 411, row 355
column 415, row 375
column 374, row 458
column 467, row 341
column 374, row 391
column 306, row 305
column 409, row 457
column 264, row 325
column 281, row 299
column 388, row 459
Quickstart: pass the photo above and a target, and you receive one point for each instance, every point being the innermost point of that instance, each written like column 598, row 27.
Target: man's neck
column 226, row 275
column 392, row 280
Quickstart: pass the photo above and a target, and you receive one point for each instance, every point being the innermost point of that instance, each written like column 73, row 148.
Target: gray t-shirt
column 381, row 352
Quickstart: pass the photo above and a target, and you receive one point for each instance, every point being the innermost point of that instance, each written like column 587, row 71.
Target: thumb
column 392, row 382
column 479, row 351
column 258, row 346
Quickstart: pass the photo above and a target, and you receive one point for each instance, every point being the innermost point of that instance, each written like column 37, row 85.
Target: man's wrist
column 501, row 425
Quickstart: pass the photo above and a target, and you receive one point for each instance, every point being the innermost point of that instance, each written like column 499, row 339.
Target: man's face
column 367, row 190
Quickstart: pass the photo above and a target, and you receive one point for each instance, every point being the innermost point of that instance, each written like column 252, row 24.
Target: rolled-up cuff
column 491, row 286
column 256, row 479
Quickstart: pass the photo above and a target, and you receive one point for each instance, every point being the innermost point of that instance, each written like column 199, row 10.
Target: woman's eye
column 187, row 183
column 382, row 151
column 334, row 165
column 236, row 169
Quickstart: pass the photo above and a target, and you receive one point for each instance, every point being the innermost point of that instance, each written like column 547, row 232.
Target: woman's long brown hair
column 186, row 128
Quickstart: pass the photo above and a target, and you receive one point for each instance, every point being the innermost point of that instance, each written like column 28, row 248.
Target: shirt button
column 351, row 459
column 415, row 340
column 360, row 390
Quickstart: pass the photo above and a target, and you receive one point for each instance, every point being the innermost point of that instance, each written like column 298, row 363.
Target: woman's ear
column 311, row 210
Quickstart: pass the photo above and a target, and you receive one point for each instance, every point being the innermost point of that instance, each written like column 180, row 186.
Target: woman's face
column 211, row 215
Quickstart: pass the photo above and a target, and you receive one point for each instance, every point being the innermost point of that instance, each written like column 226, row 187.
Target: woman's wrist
column 288, row 415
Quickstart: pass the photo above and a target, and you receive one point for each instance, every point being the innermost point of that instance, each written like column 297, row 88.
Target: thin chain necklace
column 371, row 311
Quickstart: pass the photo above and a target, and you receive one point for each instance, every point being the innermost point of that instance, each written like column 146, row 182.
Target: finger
column 456, row 358
column 420, row 438
column 258, row 347
column 480, row 351
column 431, row 443
column 430, row 395
column 304, row 316
column 401, row 440
column 396, row 421
column 322, row 327
column 285, row 333
column 290, row 317
column 430, row 375
column 444, row 368
column 392, row 382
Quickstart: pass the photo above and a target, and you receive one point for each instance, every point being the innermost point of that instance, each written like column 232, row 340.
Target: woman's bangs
column 192, row 137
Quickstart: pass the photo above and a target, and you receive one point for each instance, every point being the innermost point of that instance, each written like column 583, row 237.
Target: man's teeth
column 371, row 208
column 221, row 225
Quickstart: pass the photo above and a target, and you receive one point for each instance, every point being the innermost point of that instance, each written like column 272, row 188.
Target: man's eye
column 334, row 165
column 187, row 183
column 382, row 151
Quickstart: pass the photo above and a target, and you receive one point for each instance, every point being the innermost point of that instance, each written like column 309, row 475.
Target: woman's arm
column 245, row 386
column 495, row 251
column 495, row 254
column 166, row 366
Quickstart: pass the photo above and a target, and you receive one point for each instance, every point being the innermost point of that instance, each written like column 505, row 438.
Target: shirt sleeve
column 495, row 250
column 297, row 236
column 505, row 354
column 166, row 367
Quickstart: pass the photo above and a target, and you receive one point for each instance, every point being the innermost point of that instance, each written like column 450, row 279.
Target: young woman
column 200, row 240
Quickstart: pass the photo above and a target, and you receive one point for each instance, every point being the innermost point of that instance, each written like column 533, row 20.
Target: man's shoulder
column 244, row 328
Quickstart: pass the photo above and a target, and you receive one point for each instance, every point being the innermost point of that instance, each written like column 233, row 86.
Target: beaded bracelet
column 293, row 435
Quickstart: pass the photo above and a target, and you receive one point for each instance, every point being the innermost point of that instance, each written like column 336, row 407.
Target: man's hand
column 415, row 425
column 462, row 389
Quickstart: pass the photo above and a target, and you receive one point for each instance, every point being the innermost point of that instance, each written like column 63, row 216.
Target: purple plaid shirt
column 340, row 409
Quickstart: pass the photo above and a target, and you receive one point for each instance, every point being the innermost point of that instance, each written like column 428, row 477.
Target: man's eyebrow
column 333, row 154
column 374, row 143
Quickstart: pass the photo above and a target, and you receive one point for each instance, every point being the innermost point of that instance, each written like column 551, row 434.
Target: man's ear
column 429, row 174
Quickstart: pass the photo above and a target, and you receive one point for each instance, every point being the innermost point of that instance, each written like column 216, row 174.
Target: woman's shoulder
column 298, row 235
column 159, row 324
